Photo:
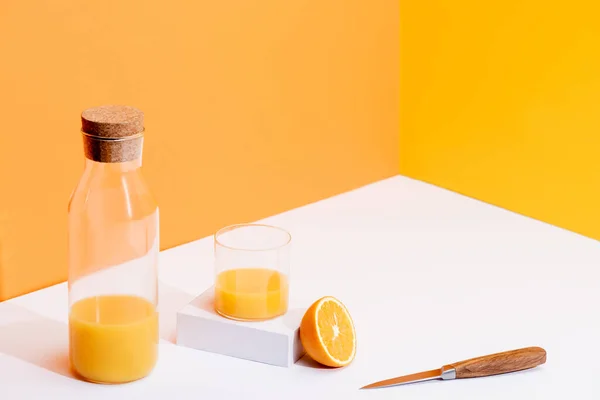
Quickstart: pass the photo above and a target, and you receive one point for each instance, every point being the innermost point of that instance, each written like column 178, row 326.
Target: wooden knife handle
column 499, row 363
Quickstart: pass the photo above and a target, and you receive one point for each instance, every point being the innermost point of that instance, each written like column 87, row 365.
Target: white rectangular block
column 276, row 341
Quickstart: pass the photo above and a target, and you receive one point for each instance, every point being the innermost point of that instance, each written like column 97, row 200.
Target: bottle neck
column 113, row 168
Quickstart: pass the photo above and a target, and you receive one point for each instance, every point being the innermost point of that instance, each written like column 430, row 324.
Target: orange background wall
column 252, row 108
column 500, row 100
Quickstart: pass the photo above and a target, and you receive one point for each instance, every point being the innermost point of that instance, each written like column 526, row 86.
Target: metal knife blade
column 418, row 377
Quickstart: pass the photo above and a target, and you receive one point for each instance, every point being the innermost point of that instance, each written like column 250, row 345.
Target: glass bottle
column 113, row 239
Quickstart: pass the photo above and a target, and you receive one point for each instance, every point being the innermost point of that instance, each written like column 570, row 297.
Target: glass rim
column 243, row 225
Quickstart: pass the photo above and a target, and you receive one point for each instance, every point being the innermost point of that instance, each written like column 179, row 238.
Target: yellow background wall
column 500, row 100
column 252, row 108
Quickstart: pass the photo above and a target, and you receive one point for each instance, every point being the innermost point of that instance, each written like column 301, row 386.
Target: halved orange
column 327, row 333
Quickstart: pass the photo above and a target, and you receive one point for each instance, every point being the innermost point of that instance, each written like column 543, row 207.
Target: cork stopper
column 112, row 133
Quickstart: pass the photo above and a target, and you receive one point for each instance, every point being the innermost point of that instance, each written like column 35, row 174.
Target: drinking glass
column 252, row 267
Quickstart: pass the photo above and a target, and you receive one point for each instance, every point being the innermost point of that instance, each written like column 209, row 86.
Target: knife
column 492, row 364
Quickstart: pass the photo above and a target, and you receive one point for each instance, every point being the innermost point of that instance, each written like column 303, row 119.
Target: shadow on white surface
column 35, row 339
column 206, row 301
column 307, row 362
column 44, row 342
column 170, row 300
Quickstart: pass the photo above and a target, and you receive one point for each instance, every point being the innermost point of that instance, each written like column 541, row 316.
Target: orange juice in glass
column 252, row 272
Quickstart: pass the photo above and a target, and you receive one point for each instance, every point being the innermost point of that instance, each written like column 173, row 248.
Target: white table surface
column 429, row 276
